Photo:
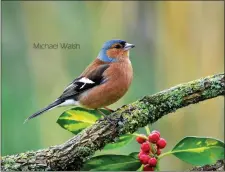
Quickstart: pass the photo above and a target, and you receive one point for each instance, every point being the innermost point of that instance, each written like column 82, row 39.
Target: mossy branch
column 72, row 154
column 218, row 166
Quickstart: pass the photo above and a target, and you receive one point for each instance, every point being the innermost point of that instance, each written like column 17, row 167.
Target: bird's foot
column 106, row 117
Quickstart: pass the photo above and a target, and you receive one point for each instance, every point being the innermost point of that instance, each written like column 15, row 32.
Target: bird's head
column 114, row 50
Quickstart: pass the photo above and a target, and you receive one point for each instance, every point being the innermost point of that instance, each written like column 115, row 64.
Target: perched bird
column 102, row 83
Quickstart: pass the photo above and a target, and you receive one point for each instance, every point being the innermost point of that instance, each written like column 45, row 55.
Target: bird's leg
column 102, row 113
column 105, row 116
column 108, row 109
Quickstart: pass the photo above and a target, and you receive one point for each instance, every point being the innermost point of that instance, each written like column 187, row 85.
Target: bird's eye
column 117, row 46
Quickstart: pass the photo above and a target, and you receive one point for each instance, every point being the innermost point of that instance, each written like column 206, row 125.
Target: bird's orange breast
column 118, row 79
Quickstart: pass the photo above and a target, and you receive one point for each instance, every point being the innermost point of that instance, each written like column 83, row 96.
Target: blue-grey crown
column 109, row 43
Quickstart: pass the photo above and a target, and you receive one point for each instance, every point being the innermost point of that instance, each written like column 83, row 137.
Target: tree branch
column 72, row 154
column 218, row 166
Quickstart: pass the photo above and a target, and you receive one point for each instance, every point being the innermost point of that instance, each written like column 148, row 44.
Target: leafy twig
column 72, row 154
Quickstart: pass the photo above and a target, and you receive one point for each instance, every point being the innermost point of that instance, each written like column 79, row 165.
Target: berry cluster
column 150, row 149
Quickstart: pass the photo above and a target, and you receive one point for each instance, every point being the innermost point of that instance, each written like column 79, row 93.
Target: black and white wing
column 73, row 90
column 84, row 83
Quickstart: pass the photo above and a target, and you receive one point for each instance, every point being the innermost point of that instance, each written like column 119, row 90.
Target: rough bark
column 218, row 166
column 127, row 119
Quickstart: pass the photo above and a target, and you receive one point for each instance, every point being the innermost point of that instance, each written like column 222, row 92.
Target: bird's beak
column 128, row 46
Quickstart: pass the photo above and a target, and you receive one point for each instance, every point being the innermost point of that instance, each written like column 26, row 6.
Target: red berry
column 145, row 146
column 152, row 162
column 153, row 138
column 140, row 139
column 161, row 143
column 148, row 168
column 155, row 131
column 158, row 151
column 144, row 159
column 141, row 153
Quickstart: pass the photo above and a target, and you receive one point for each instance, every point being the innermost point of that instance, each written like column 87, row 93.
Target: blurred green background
column 175, row 42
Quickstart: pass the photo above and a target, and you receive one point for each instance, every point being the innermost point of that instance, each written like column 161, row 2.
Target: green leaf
column 112, row 163
column 122, row 141
column 199, row 150
column 134, row 154
column 77, row 119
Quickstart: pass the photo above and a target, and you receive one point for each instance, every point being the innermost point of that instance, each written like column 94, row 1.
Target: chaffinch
column 102, row 83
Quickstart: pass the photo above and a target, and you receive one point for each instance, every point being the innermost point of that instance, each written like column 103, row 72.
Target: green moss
column 23, row 155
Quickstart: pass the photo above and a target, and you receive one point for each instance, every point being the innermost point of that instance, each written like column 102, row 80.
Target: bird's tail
column 49, row 107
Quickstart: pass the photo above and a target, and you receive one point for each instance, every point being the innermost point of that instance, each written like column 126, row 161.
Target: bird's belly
column 102, row 96
column 119, row 77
